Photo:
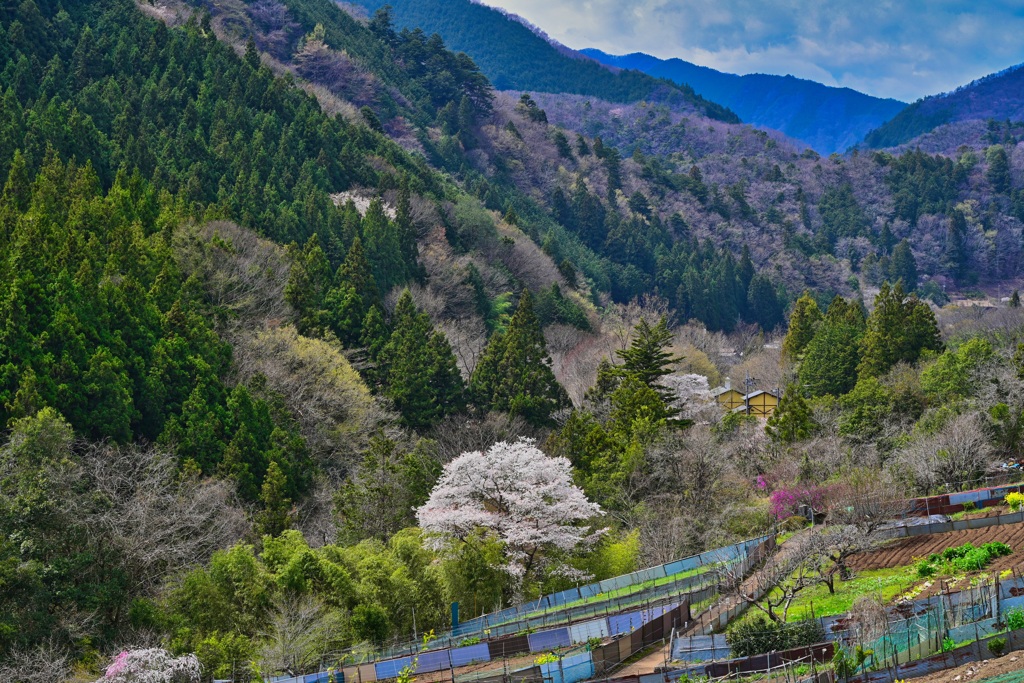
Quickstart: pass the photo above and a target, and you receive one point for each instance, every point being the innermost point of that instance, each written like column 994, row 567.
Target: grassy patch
column 883, row 583
column 626, row 591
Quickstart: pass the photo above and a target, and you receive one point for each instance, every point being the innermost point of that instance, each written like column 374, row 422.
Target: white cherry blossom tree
column 520, row 495
column 151, row 666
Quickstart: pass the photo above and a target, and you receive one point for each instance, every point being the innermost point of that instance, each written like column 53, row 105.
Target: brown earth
column 977, row 672
column 905, row 551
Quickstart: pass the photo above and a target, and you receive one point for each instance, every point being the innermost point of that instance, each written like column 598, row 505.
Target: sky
column 904, row 49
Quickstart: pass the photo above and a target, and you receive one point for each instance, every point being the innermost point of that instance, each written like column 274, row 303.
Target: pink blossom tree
column 519, row 495
column 786, row 501
column 152, row 666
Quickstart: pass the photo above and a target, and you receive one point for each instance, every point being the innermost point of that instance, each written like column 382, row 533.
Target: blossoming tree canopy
column 151, row 666
column 519, row 494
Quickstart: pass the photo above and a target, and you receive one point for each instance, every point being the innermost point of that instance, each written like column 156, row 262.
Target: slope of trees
column 241, row 337
column 515, row 58
column 994, row 97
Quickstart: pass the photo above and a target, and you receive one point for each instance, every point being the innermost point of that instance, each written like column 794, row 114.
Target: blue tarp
column 570, row 669
column 581, row 633
column 461, row 656
column 549, row 640
column 391, row 668
column 625, row 623
column 435, row 660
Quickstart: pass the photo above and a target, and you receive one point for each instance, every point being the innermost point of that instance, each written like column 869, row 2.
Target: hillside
column 514, row 57
column 826, row 119
column 999, row 96
column 284, row 294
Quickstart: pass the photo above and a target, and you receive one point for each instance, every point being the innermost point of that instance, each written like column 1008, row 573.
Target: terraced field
column 905, row 551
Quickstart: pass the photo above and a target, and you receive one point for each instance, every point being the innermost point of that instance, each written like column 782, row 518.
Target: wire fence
column 941, row 631
column 693, row 578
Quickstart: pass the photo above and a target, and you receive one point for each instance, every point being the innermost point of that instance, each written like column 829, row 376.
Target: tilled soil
column 978, row 672
column 905, row 551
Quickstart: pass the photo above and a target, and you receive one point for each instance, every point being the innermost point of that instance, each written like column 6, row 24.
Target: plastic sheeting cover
column 581, row 633
column 391, row 668
column 625, row 623
column 462, row 656
column 549, row 640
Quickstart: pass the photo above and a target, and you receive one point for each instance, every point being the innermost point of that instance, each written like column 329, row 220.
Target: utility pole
column 748, row 384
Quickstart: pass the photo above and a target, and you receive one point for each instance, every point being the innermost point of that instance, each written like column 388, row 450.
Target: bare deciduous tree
column 959, row 453
column 46, row 663
column 868, row 619
column 457, row 435
column 300, row 632
column 788, row 570
column 160, row 522
column 243, row 274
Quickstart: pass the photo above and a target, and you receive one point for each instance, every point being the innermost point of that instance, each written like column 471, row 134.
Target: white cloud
column 904, row 49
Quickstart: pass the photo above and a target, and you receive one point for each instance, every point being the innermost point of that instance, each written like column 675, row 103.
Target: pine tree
column 648, row 358
column 275, row 516
column 514, row 375
column 375, row 334
column 792, row 420
column 356, row 271
column 107, row 392
column 354, row 292
column 803, row 322
column 407, row 232
column 831, row 358
column 763, row 303
column 899, row 329
column 954, row 257
column 308, row 283
column 418, row 369
column 998, row 173
column 383, row 248
column 240, row 458
column 886, row 240
column 903, row 266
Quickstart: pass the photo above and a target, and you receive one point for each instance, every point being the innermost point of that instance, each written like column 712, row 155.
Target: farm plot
column 905, row 551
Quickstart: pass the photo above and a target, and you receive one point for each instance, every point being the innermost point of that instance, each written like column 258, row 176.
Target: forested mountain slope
column 826, row 119
column 515, row 58
column 268, row 270
column 999, row 96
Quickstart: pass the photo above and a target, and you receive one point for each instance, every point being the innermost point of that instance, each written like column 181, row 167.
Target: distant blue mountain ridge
column 827, row 119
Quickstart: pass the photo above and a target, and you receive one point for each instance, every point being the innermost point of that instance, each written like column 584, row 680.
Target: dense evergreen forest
column 275, row 278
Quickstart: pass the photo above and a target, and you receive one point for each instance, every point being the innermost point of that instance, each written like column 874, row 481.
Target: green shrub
column 948, row 645
column 925, row 569
column 969, row 506
column 1015, row 500
column 997, row 646
column 848, row 664
column 757, row 635
column 1015, row 619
